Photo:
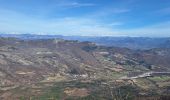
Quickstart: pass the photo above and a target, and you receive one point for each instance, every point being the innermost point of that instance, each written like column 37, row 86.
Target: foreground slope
column 58, row 68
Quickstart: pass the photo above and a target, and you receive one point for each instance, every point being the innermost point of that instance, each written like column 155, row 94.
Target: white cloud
column 76, row 4
column 111, row 11
column 164, row 11
column 116, row 24
column 68, row 26
column 119, row 10
column 157, row 30
column 14, row 22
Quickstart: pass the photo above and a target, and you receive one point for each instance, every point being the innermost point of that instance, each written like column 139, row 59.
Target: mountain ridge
column 128, row 42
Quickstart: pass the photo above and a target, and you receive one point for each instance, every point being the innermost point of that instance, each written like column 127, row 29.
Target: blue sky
column 86, row 17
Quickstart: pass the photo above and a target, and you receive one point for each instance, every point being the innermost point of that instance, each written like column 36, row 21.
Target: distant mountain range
column 127, row 42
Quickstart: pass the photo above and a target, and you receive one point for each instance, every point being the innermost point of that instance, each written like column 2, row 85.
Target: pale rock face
column 24, row 73
column 117, row 55
column 25, row 62
column 103, row 53
column 44, row 53
column 80, row 76
column 2, row 74
column 3, row 62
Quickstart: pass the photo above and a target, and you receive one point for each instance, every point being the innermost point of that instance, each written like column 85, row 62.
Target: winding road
column 147, row 74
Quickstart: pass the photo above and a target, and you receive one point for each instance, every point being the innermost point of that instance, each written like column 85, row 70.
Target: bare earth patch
column 78, row 92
